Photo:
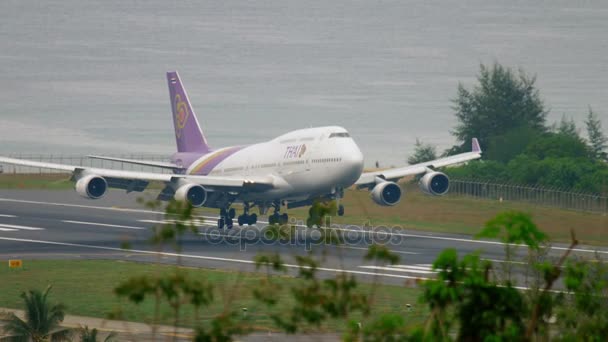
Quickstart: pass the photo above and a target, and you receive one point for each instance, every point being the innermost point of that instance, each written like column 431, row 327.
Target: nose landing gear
column 339, row 196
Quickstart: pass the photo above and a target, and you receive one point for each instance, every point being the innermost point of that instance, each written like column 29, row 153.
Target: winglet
column 475, row 146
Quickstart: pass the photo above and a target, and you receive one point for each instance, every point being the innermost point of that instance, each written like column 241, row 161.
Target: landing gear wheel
column 283, row 218
column 231, row 213
column 229, row 223
column 340, row 210
column 220, row 223
column 242, row 219
column 253, row 219
column 273, row 219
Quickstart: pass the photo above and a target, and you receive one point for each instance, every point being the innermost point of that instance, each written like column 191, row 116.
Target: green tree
column 583, row 315
column 484, row 169
column 568, row 128
column 90, row 335
column 506, row 146
column 42, row 320
column 466, row 299
column 503, row 100
column 598, row 142
column 422, row 153
column 557, row 145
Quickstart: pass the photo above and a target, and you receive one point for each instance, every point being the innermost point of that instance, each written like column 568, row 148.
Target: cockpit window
column 339, row 135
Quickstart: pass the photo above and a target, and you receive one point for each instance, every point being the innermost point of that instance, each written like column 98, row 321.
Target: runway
column 39, row 224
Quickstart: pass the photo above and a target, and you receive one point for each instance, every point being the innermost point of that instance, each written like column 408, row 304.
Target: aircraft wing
column 396, row 173
column 153, row 163
column 120, row 176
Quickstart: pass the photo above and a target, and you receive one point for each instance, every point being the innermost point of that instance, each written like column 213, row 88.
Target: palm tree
column 41, row 320
column 87, row 335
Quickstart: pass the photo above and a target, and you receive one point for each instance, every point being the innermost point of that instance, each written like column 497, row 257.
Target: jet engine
column 91, row 186
column 386, row 193
column 193, row 193
column 434, row 183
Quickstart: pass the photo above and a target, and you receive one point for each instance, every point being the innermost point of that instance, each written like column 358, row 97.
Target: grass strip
column 86, row 288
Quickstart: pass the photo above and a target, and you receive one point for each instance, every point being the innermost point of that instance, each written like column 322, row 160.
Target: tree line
column 505, row 111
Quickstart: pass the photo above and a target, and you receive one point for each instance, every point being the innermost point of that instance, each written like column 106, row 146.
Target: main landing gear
column 227, row 215
column 277, row 217
column 247, row 218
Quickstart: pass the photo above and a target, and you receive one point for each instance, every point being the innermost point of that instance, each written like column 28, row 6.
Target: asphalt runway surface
column 59, row 224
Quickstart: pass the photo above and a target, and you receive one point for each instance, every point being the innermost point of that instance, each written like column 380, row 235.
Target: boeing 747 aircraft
column 291, row 170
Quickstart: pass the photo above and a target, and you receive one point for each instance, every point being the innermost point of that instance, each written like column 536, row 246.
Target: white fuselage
column 303, row 163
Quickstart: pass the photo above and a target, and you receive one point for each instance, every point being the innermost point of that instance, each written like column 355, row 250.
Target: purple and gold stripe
column 205, row 166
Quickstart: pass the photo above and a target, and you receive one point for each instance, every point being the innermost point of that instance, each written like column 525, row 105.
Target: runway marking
column 415, row 267
column 194, row 222
column 445, row 238
column 367, row 249
column 103, row 224
column 202, row 257
column 11, row 226
column 8, row 230
column 402, row 268
column 81, row 206
column 4, row 215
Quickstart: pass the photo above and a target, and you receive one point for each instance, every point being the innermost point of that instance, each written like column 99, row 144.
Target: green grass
column 86, row 288
column 53, row 181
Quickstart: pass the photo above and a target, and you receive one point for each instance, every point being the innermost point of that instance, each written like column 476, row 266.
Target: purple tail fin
column 188, row 133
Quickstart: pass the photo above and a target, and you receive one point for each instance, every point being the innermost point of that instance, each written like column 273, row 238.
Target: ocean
column 79, row 77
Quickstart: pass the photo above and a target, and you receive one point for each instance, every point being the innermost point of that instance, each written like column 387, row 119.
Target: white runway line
column 103, row 224
column 402, row 268
column 8, row 230
column 366, row 249
column 202, row 257
column 415, row 267
column 14, row 226
column 194, row 222
column 81, row 206
column 4, row 215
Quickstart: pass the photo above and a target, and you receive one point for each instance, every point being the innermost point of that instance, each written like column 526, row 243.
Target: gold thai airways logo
column 181, row 115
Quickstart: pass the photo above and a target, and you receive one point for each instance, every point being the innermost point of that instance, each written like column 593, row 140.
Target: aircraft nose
column 354, row 159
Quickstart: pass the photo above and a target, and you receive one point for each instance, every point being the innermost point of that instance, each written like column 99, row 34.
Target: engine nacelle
column 91, row 186
column 386, row 193
column 434, row 183
column 193, row 193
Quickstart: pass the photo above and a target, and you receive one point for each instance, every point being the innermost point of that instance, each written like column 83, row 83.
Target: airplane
column 291, row 170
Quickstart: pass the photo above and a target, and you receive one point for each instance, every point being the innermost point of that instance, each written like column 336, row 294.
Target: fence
column 74, row 159
column 560, row 198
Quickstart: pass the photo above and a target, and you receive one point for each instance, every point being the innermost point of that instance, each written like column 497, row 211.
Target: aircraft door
column 314, row 146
